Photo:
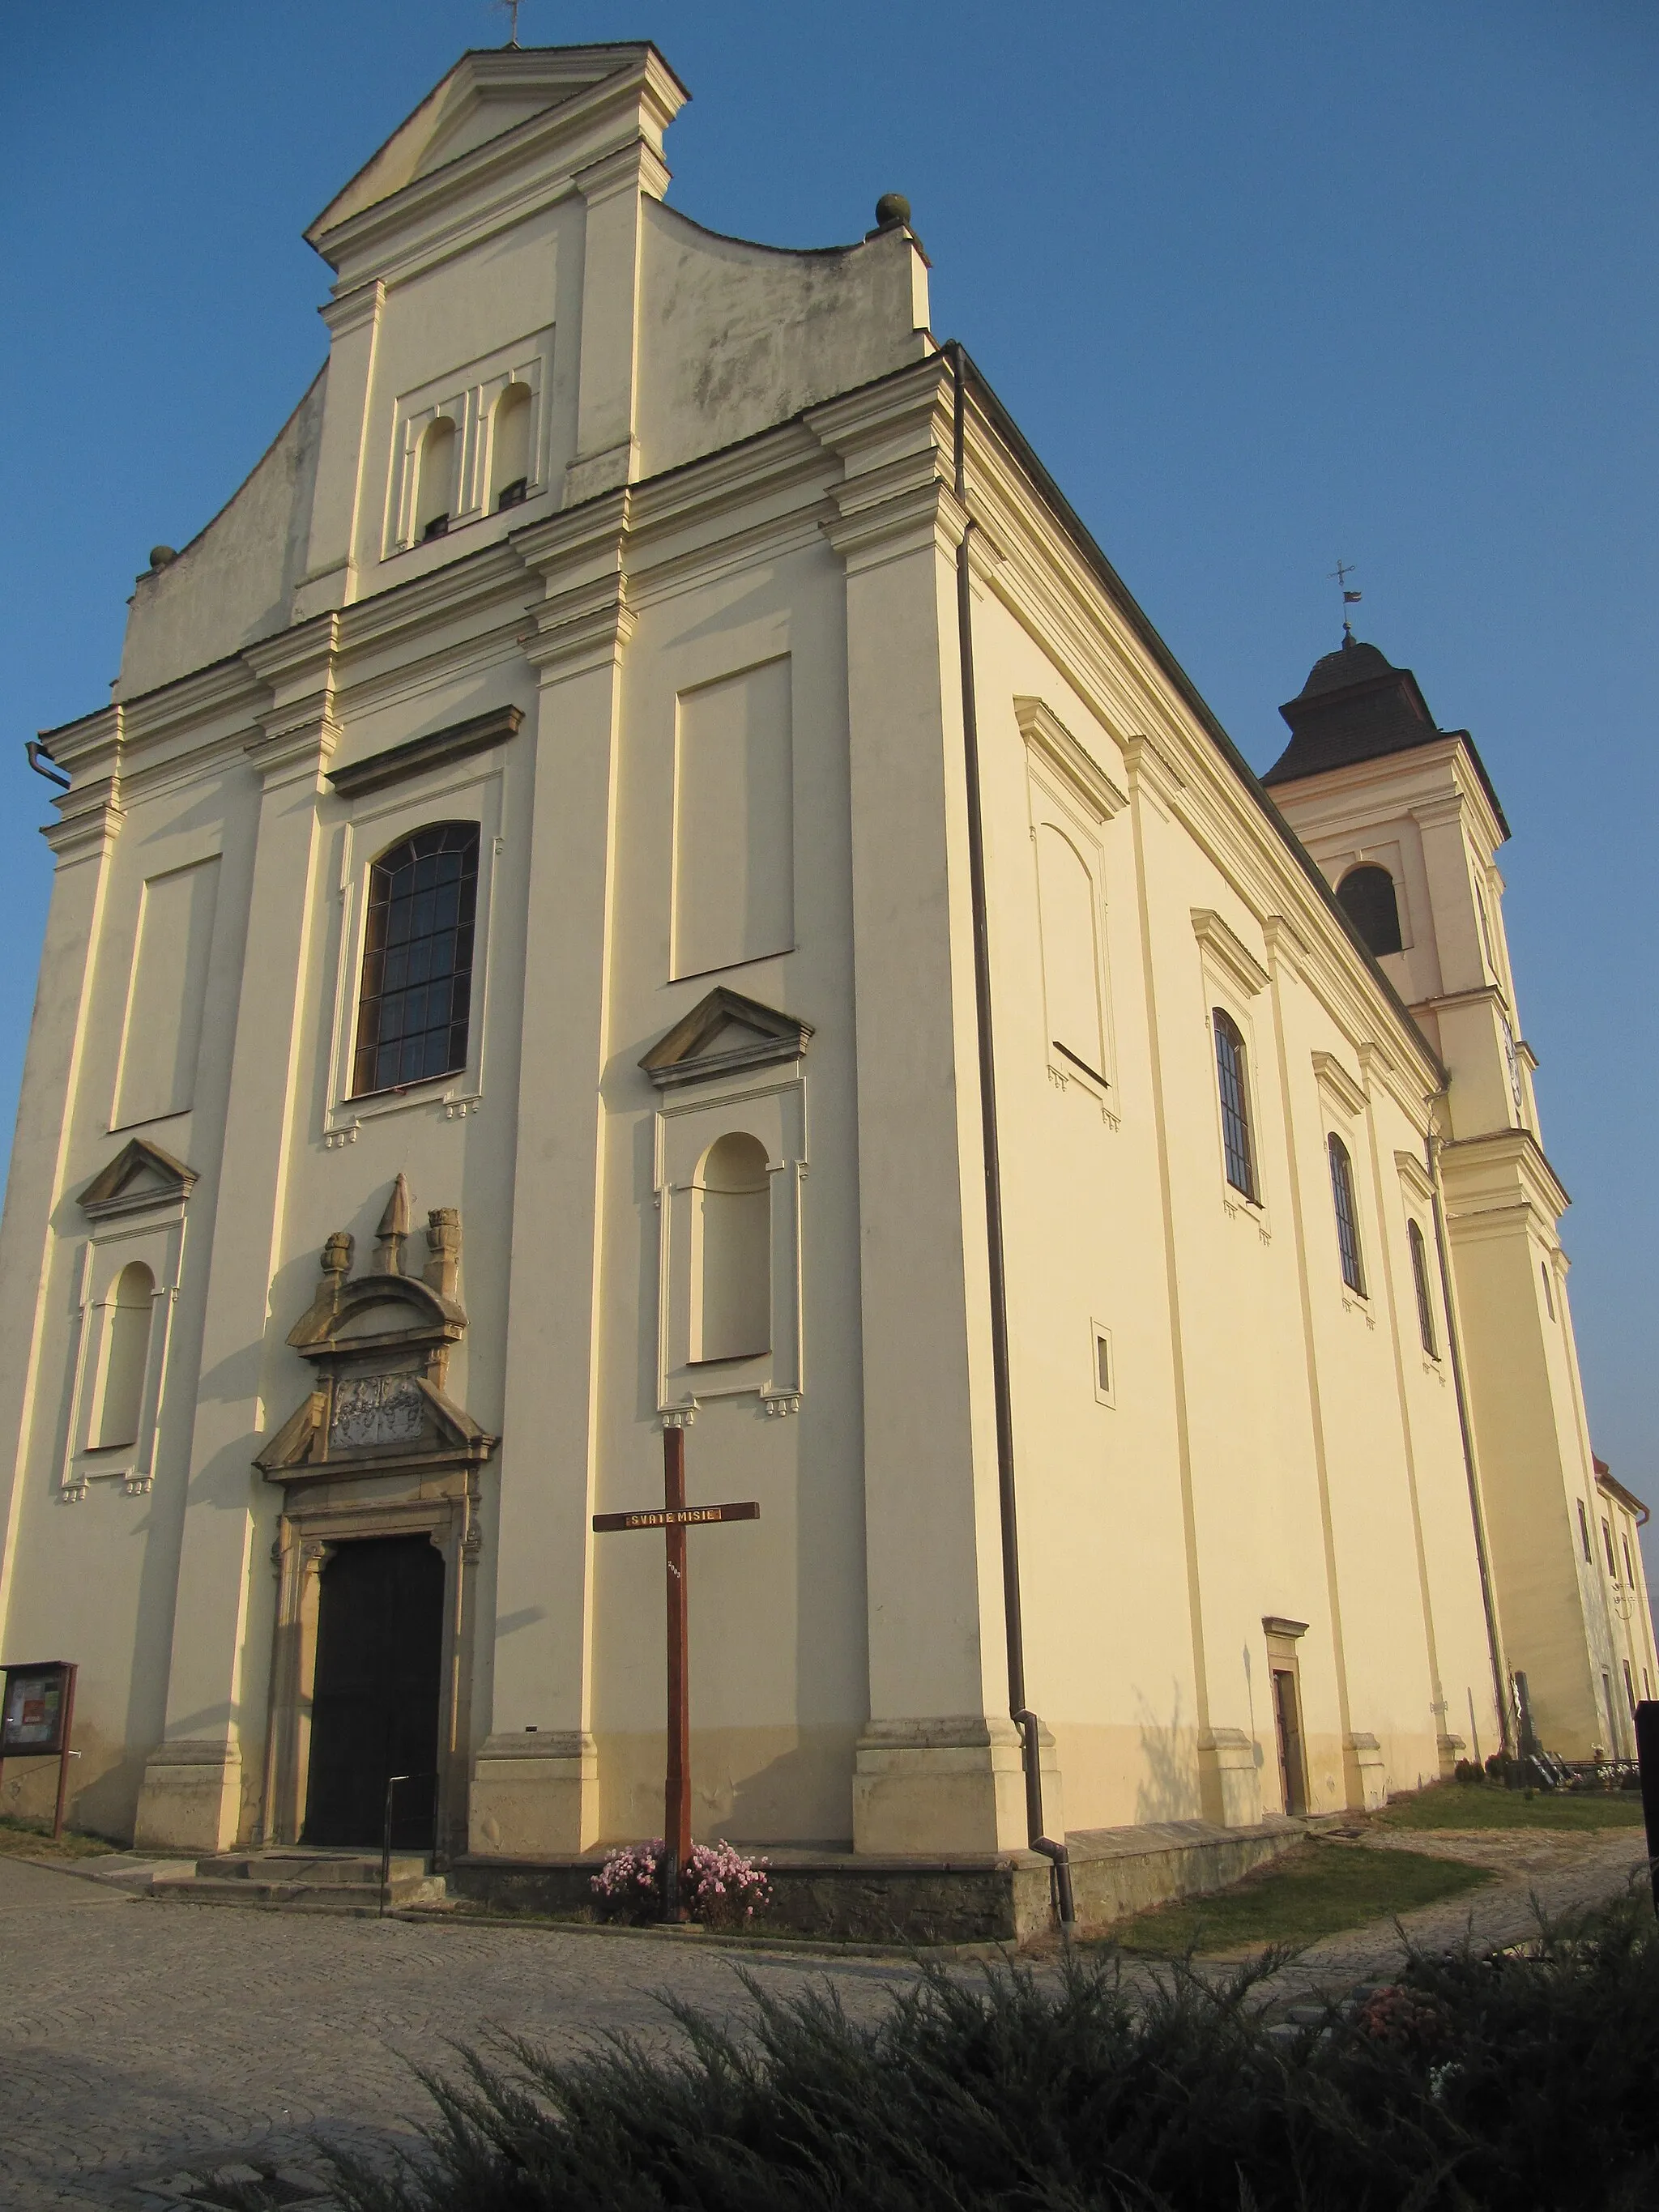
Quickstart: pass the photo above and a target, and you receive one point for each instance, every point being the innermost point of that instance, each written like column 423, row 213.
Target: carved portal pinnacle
column 393, row 1229
column 443, row 1244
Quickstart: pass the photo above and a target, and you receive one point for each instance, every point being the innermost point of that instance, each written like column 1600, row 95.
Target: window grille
column 414, row 1008
column 1237, row 1148
column 1348, row 1217
column 1420, row 1278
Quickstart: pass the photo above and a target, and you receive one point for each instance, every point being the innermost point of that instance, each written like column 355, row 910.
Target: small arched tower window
column 732, row 1251
column 435, row 480
column 1232, row 1078
column 121, row 1401
column 509, row 448
column 1348, row 1216
column 1420, row 1280
column 1366, row 895
column 414, row 1008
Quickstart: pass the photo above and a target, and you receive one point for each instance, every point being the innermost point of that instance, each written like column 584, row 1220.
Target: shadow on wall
column 1169, row 1785
column 803, row 1797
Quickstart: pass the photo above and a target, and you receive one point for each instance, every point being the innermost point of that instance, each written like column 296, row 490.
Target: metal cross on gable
column 674, row 1516
column 512, row 8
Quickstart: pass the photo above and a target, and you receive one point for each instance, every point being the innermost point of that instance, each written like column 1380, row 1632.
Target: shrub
column 1472, row 2084
column 718, row 1885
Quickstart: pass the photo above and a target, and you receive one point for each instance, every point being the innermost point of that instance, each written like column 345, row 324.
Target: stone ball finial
column 162, row 556
column 891, row 210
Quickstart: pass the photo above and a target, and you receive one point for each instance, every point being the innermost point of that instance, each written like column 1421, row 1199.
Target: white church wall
column 778, row 1656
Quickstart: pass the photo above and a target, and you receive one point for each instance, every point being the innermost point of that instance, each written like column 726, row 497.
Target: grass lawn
column 20, row 1840
column 1486, row 1805
column 1313, row 1890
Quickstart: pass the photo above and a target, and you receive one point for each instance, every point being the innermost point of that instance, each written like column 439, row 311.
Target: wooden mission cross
column 674, row 1516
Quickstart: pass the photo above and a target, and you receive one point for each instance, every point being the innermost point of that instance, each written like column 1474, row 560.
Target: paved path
column 140, row 2042
column 139, row 2039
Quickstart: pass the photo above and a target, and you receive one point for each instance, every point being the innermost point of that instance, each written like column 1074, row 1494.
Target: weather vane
column 512, row 8
column 1339, row 575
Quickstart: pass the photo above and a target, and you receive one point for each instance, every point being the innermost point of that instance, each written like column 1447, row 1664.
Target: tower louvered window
column 1237, row 1151
column 414, row 1011
column 1348, row 1217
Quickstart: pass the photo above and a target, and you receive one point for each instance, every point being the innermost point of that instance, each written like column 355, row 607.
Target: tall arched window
column 509, row 448
column 1420, row 1278
column 415, row 1004
column 1366, row 895
column 122, row 1399
column 436, row 482
column 1348, row 1216
column 732, row 1251
column 1232, row 1078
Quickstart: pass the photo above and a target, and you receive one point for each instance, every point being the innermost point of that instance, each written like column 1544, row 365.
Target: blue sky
column 1262, row 285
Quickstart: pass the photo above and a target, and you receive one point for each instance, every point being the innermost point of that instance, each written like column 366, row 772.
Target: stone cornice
column 1234, row 958
column 1499, row 1172
column 1088, row 782
column 297, row 731
column 1338, row 1086
column 584, row 621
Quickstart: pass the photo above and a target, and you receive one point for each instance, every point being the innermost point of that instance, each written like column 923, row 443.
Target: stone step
column 333, row 1868
column 347, row 1896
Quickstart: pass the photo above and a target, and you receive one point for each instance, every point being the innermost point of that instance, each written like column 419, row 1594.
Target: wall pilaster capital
column 90, row 813
column 583, row 620
column 296, row 733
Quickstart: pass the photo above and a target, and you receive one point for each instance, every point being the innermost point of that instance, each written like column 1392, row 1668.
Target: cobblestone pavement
column 144, row 2045
column 141, row 2041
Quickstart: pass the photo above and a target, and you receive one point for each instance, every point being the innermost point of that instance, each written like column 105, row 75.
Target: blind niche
column 734, row 891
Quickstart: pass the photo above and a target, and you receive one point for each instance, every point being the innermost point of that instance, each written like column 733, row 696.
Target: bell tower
column 1402, row 818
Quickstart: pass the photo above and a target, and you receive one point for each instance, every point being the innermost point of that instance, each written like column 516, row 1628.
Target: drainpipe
column 1023, row 1719
column 1454, row 1352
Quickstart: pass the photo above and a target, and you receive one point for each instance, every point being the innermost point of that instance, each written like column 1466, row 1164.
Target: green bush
column 1512, row 2084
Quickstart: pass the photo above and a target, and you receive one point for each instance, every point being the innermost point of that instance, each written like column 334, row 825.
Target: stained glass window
column 412, row 1015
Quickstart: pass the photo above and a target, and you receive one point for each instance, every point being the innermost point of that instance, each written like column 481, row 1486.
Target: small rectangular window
column 1105, row 1377
column 1630, row 1572
column 1549, row 1293
column 1421, row 1279
column 1607, row 1546
column 514, row 493
column 1630, row 1689
column 1584, row 1533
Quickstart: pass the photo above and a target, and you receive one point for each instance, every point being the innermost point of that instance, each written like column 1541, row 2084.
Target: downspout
column 1500, row 1688
column 1023, row 1719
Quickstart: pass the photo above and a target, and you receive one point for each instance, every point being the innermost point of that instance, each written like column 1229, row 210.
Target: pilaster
column 83, row 840
column 613, row 190
column 536, row 1779
column 938, row 1768
column 354, row 325
column 193, row 1791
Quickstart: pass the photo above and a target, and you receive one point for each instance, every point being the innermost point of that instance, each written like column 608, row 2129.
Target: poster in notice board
column 34, row 1710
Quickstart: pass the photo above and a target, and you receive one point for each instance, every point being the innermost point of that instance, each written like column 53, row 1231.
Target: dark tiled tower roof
column 1357, row 706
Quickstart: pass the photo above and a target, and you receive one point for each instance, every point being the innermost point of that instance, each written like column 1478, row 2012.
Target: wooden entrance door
column 1287, row 1726
column 374, row 1706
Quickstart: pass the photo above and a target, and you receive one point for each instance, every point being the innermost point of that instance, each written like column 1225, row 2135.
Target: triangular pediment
column 723, row 1033
column 140, row 1176
column 489, row 91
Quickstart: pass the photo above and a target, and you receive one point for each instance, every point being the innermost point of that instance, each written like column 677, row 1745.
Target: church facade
column 645, row 871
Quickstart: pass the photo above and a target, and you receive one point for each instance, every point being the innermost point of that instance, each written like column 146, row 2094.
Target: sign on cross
column 674, row 1516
